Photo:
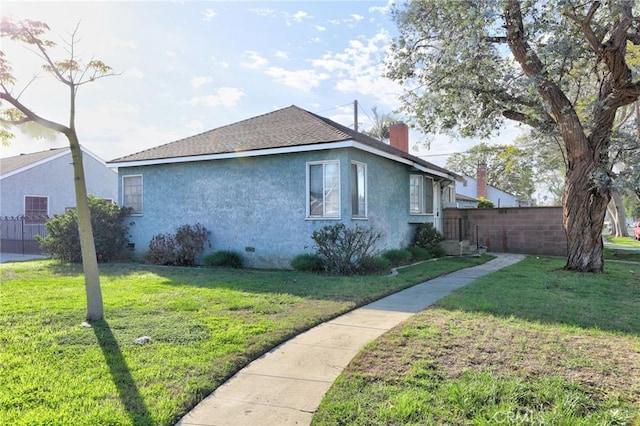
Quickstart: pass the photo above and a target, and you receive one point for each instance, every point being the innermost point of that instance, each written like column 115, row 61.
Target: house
column 468, row 190
column 37, row 186
column 261, row 186
column 41, row 183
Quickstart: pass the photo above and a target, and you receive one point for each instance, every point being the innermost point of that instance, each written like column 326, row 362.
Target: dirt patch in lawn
column 453, row 343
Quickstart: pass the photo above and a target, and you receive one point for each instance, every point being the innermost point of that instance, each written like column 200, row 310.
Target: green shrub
column 179, row 249
column 109, row 234
column 398, row 257
column 308, row 263
column 427, row 236
column 224, row 258
column 420, row 253
column 485, row 203
column 342, row 249
column 374, row 265
column 438, row 251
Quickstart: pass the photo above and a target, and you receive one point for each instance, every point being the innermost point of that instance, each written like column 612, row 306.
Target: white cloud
column 304, row 80
column 169, row 53
column 359, row 69
column 195, row 126
column 281, row 55
column 200, row 81
column 300, row 15
column 255, row 60
column 319, row 27
column 357, row 17
column 270, row 13
column 133, row 73
column 223, row 96
column 208, row 14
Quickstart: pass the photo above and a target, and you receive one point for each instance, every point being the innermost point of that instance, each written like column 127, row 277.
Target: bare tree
column 72, row 73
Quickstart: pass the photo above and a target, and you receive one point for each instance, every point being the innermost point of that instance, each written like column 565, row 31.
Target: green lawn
column 529, row 345
column 624, row 241
column 204, row 325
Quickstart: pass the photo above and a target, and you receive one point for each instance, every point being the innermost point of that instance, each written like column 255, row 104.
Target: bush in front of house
column 375, row 265
column 223, row 258
column 398, row 257
column 429, row 238
column 345, row 251
column 420, row 253
column 109, row 234
column 485, row 203
column 179, row 249
column 307, row 263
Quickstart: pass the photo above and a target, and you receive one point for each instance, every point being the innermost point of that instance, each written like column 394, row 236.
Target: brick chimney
column 481, row 179
column 399, row 136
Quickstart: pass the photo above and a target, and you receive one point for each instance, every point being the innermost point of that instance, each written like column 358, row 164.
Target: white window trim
column 366, row 193
column 308, row 191
column 422, row 212
column 141, row 200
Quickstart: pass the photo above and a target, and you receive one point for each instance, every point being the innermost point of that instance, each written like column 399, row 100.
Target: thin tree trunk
column 620, row 214
column 95, row 309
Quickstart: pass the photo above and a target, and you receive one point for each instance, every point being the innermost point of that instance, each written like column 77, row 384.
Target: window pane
column 132, row 193
column 331, row 190
column 315, row 190
column 428, row 195
column 36, row 209
column 414, row 194
column 358, row 188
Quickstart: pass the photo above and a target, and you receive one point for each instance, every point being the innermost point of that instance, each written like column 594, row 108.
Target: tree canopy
column 559, row 67
column 508, row 167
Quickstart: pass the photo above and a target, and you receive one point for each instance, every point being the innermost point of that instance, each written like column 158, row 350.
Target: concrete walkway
column 285, row 386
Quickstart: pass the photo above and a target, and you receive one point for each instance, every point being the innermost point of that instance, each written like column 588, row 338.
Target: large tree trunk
column 95, row 309
column 584, row 207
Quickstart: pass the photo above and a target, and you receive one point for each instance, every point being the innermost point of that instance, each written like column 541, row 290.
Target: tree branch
column 31, row 116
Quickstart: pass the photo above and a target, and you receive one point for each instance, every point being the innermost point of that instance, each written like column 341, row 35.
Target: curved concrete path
column 285, row 386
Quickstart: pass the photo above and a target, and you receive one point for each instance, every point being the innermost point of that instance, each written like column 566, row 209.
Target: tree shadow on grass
column 127, row 389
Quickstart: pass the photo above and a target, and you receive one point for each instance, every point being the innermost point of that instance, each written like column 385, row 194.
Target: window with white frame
column 36, row 208
column 323, row 189
column 420, row 194
column 132, row 193
column 358, row 190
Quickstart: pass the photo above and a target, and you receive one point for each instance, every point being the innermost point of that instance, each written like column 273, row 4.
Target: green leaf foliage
column 109, row 233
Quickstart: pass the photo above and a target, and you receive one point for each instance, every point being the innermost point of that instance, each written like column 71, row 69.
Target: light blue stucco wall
column 54, row 179
column 260, row 202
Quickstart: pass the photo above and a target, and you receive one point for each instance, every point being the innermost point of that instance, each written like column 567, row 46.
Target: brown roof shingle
column 10, row 164
column 287, row 127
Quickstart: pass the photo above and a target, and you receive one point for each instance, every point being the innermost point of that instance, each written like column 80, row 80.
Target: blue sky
column 191, row 66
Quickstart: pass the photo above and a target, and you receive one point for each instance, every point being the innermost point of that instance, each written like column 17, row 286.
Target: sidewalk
column 16, row 257
column 285, row 386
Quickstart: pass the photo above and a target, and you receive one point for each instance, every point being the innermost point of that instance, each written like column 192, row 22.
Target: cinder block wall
column 527, row 230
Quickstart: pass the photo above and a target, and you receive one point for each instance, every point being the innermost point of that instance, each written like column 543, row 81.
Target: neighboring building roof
column 10, row 166
column 285, row 130
column 463, row 197
column 24, row 161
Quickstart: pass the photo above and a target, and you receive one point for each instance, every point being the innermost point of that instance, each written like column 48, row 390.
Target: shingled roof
column 284, row 128
column 12, row 164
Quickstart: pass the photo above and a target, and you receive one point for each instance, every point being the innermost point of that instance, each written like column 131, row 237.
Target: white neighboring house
column 41, row 183
column 468, row 192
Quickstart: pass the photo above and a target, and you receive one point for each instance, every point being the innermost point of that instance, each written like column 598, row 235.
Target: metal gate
column 18, row 234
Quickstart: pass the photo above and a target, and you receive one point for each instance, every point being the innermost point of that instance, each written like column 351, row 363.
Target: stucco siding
column 54, row 179
column 257, row 205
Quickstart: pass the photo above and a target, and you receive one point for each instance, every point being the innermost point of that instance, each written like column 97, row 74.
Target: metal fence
column 18, row 234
